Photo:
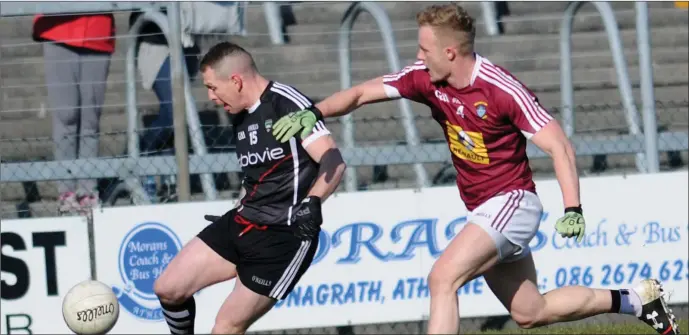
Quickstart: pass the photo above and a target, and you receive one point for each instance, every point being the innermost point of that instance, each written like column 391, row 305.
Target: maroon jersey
column 486, row 125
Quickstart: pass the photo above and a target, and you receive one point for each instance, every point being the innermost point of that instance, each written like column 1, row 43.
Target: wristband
column 313, row 199
column 317, row 112
column 576, row 209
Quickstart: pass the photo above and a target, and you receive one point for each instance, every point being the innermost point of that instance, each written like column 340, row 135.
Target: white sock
column 630, row 302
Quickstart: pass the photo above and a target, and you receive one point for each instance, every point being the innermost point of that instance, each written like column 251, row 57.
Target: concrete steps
column 318, row 23
column 366, row 30
column 543, row 75
column 27, row 74
column 326, row 50
column 376, row 124
column 318, row 13
column 589, row 117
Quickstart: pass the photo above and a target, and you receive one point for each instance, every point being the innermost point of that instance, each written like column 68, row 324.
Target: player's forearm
column 564, row 163
column 340, row 103
column 332, row 167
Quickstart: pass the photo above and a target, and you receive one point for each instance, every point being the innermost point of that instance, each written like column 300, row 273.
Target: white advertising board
column 377, row 248
column 134, row 245
column 380, row 247
column 41, row 260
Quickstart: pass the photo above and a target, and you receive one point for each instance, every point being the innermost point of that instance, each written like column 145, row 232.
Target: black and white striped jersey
column 277, row 176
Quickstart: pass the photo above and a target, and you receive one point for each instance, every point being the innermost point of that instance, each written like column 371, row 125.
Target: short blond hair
column 451, row 19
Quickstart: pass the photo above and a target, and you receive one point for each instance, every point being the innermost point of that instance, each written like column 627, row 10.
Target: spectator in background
column 153, row 65
column 77, row 51
column 198, row 18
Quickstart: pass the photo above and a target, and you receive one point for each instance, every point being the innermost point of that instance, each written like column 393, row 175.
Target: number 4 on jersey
column 460, row 111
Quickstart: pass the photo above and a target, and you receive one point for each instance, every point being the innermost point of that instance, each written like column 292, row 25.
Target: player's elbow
column 554, row 143
column 571, row 152
column 371, row 91
column 360, row 96
column 565, row 148
column 560, row 151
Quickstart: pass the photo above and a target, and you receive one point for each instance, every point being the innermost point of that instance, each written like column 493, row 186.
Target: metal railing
column 385, row 28
column 171, row 30
column 649, row 163
column 647, row 95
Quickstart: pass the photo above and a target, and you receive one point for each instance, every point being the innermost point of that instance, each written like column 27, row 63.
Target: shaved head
column 232, row 78
column 226, row 59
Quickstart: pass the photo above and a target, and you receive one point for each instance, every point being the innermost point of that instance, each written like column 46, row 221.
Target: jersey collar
column 254, row 107
column 477, row 67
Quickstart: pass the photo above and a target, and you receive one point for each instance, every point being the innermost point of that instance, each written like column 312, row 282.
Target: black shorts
column 270, row 260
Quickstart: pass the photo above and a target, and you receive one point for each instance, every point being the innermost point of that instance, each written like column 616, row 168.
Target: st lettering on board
column 41, row 260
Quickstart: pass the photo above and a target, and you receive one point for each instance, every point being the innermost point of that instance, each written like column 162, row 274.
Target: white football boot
column 654, row 310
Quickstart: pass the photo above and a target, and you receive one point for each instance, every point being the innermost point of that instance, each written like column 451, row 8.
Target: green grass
column 597, row 328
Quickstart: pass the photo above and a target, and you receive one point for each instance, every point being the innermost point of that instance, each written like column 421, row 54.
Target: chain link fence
column 600, row 140
column 527, row 46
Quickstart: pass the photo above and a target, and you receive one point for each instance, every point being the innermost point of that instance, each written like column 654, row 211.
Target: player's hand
column 570, row 225
column 290, row 124
column 307, row 219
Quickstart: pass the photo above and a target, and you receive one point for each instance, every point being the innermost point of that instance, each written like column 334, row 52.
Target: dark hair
column 221, row 50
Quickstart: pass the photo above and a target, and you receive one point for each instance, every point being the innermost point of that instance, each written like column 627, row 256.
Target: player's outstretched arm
column 338, row 104
column 346, row 101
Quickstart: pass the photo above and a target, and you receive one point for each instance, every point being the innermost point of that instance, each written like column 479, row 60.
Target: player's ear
column 451, row 53
column 237, row 82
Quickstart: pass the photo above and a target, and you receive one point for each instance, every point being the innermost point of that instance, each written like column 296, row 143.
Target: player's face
column 433, row 54
column 224, row 92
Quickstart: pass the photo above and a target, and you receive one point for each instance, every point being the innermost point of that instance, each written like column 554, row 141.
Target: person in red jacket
column 77, row 51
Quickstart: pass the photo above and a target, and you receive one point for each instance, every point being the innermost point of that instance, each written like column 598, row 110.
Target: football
column 90, row 307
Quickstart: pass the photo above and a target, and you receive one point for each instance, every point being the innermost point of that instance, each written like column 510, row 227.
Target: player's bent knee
column 167, row 291
column 442, row 281
column 527, row 320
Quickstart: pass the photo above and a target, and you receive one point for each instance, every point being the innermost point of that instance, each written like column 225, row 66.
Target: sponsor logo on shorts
column 261, row 281
column 144, row 253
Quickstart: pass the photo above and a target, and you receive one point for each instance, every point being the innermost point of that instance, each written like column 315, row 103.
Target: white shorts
column 512, row 220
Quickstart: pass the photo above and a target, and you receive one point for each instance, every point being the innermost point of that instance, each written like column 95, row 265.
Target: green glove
column 292, row 123
column 570, row 225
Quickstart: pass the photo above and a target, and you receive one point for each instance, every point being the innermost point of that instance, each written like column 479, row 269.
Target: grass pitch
column 597, row 328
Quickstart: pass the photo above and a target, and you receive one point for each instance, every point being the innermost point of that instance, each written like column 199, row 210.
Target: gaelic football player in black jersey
column 269, row 239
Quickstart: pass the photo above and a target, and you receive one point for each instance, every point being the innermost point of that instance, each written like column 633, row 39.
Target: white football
column 90, row 307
